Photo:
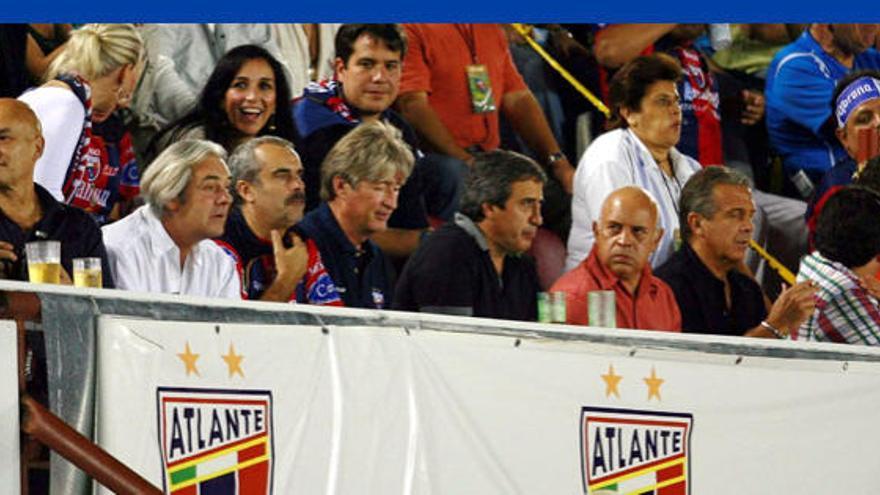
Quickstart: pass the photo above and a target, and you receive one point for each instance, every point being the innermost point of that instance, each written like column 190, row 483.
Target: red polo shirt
column 652, row 307
column 436, row 63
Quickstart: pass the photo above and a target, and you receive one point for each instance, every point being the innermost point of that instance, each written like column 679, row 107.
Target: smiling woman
column 247, row 95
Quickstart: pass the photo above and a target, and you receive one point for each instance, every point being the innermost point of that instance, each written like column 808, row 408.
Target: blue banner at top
column 433, row 11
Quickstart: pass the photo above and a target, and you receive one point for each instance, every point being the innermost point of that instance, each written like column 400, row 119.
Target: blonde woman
column 93, row 76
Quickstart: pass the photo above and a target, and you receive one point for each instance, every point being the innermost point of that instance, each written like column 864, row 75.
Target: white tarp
column 388, row 410
column 10, row 473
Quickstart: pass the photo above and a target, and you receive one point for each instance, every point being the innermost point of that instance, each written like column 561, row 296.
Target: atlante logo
column 215, row 442
column 626, row 451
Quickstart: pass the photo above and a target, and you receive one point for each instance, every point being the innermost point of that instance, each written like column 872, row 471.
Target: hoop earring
column 272, row 122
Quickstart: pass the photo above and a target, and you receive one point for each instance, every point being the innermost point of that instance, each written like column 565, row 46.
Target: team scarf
column 79, row 162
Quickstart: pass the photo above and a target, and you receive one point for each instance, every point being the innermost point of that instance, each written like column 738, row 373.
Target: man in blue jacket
column 800, row 82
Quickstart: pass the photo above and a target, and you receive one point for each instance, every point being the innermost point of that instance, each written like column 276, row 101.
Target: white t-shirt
column 614, row 160
column 144, row 258
column 61, row 116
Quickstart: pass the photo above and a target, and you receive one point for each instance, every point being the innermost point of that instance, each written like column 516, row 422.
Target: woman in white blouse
column 646, row 117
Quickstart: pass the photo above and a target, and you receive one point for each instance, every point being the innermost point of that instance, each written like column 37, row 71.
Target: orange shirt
column 652, row 307
column 435, row 62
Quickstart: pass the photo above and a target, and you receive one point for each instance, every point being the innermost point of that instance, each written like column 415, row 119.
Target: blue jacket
column 800, row 84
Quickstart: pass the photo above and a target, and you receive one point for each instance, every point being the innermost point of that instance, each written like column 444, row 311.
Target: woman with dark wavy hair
column 247, row 95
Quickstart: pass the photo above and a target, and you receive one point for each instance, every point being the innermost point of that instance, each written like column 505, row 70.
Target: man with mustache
column 474, row 266
column 626, row 234
column 275, row 263
column 360, row 181
column 707, row 275
column 800, row 82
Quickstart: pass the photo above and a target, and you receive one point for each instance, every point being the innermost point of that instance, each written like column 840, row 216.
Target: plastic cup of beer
column 87, row 272
column 44, row 261
column 602, row 310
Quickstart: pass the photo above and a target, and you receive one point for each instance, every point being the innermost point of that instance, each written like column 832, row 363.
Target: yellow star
column 233, row 361
column 611, row 381
column 653, row 384
column 189, row 360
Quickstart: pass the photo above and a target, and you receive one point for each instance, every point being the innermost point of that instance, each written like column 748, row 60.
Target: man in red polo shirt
column 626, row 235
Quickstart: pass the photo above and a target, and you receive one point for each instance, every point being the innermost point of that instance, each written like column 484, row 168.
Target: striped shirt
column 845, row 312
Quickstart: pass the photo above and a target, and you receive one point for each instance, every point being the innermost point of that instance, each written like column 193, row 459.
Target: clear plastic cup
column 87, row 272
column 44, row 261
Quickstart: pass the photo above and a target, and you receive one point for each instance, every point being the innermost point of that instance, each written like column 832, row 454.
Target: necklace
column 672, row 196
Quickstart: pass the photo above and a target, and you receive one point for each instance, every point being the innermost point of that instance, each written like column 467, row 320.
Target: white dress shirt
column 614, row 160
column 144, row 258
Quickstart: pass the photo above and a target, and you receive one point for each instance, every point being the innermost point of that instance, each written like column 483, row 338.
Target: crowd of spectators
column 414, row 167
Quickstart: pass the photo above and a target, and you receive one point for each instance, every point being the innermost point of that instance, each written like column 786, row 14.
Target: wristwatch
column 555, row 157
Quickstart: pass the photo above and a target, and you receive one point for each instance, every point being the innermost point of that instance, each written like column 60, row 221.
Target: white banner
column 294, row 409
column 10, row 473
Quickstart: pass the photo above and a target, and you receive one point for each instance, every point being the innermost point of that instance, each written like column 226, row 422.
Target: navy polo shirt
column 700, row 296
column 79, row 235
column 362, row 274
column 452, row 273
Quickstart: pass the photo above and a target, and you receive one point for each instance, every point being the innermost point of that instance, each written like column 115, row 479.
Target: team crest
column 635, row 452
column 215, row 442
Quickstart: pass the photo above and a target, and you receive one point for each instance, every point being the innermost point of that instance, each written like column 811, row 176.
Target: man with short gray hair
column 475, row 266
column 360, row 182
column 269, row 194
column 714, row 292
column 164, row 246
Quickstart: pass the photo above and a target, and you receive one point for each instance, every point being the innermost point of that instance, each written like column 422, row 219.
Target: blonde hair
column 95, row 50
column 373, row 151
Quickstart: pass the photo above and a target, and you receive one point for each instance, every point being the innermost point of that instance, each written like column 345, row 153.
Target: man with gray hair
column 165, row 245
column 360, row 182
column 715, row 293
column 269, row 195
column 474, row 265
column 626, row 234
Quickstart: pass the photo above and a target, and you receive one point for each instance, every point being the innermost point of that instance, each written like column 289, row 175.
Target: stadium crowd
column 447, row 168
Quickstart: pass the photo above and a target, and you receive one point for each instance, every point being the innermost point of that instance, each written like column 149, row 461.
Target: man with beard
column 275, row 263
column 474, row 266
column 800, row 82
column 626, row 234
column 707, row 274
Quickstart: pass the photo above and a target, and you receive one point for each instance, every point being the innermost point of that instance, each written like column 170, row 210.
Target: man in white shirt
column 165, row 245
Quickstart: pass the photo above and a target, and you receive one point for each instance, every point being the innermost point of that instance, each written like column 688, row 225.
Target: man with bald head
column 27, row 211
column 626, row 235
